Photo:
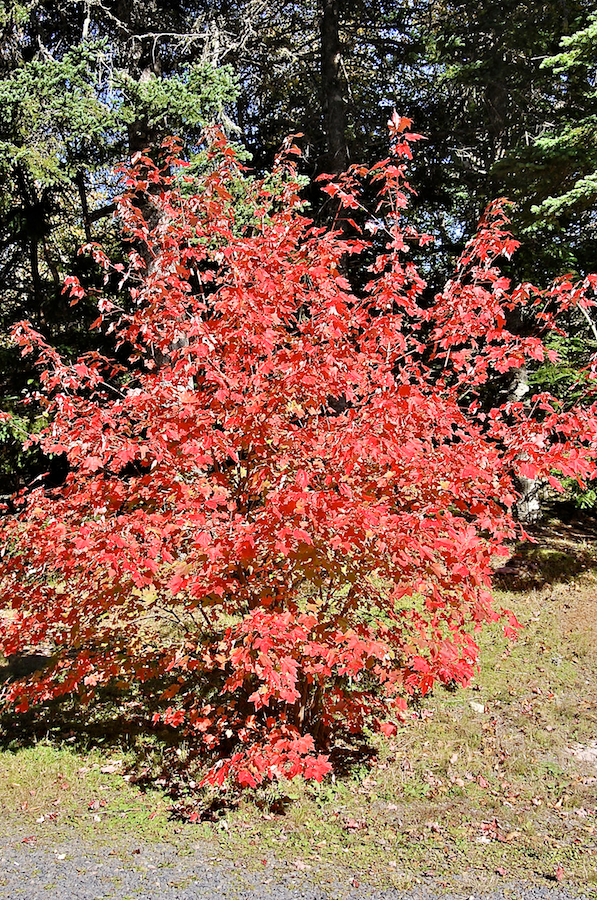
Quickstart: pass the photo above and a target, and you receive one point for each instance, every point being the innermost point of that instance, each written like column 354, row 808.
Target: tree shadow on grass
column 119, row 722
column 562, row 548
column 349, row 756
column 114, row 720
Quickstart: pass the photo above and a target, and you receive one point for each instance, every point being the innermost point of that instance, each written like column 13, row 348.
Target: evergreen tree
column 72, row 107
column 566, row 154
column 490, row 99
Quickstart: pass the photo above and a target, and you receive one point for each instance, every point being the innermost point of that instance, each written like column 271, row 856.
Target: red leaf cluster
column 286, row 501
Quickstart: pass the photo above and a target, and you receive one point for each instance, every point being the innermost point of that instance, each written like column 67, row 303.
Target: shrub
column 283, row 494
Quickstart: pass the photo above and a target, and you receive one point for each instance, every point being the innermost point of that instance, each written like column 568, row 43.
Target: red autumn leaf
column 388, row 728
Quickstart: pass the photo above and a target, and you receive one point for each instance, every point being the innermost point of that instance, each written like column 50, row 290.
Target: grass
column 480, row 785
column 46, row 788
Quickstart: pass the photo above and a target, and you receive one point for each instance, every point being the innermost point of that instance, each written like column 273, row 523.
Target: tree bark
column 333, row 100
column 82, row 188
column 528, row 505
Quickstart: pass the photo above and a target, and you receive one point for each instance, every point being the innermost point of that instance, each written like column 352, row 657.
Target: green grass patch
column 45, row 789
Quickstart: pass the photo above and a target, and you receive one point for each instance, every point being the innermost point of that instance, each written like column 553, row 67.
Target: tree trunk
column 143, row 61
column 528, row 506
column 332, row 90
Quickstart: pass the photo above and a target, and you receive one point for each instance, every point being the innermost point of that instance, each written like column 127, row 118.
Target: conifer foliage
column 283, row 494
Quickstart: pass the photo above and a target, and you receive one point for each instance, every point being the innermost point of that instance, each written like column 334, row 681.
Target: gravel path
column 77, row 871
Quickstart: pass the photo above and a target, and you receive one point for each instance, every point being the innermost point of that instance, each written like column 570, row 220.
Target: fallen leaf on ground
column 354, row 824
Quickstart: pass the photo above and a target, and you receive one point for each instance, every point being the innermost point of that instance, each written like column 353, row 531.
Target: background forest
column 504, row 93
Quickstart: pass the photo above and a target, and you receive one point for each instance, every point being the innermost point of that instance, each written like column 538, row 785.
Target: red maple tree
column 283, row 494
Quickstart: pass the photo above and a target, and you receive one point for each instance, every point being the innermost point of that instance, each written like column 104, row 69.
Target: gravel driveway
column 149, row 872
